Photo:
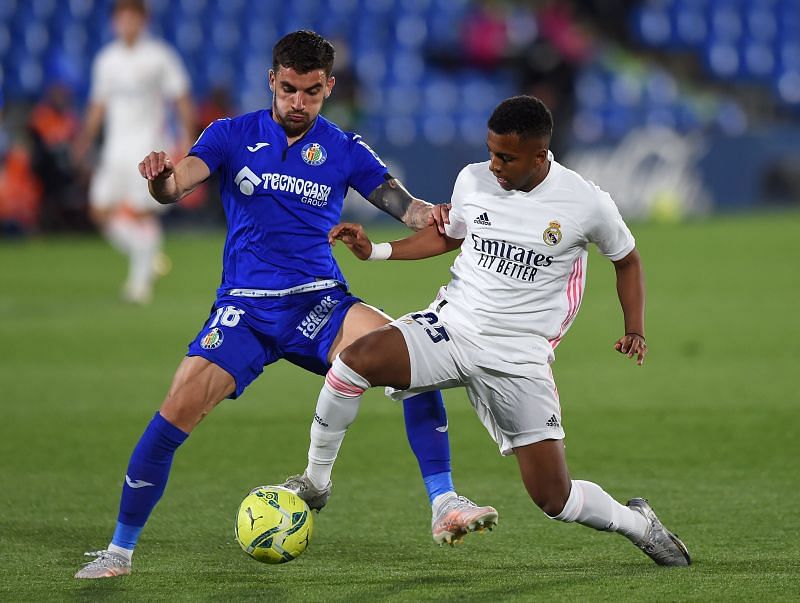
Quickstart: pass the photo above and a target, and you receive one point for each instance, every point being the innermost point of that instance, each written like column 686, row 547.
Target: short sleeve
column 175, row 79
column 367, row 171
column 608, row 230
column 212, row 144
column 457, row 229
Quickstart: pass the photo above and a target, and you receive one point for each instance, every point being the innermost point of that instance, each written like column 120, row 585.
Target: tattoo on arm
column 393, row 198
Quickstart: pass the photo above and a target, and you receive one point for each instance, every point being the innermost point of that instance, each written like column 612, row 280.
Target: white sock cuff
column 122, row 552
column 572, row 508
column 344, row 381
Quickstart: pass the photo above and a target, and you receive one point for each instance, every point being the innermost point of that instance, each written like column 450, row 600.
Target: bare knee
column 185, row 408
column 551, row 502
column 198, row 386
column 381, row 357
column 357, row 356
column 544, row 472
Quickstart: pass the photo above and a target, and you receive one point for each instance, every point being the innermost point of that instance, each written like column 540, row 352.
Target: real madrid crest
column 552, row 234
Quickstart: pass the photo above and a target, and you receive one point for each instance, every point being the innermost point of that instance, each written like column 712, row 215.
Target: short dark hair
column 525, row 116
column 135, row 5
column 303, row 51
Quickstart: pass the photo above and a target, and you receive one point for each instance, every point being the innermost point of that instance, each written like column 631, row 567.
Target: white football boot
column 458, row 516
column 661, row 545
column 106, row 565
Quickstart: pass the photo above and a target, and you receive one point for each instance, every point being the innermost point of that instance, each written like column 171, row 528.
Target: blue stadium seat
column 8, row 9
column 411, row 31
column 439, row 128
column 406, row 67
column 399, row 130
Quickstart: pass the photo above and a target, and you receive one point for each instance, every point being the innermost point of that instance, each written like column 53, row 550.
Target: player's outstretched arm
column 168, row 183
column 393, row 198
column 423, row 244
column 630, row 289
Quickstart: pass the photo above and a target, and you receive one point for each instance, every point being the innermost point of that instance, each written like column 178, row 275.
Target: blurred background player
column 134, row 80
column 283, row 176
column 523, row 224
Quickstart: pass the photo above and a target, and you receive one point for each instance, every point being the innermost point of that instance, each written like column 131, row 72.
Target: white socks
column 337, row 407
column 140, row 239
column 143, row 254
column 120, row 231
column 590, row 505
column 126, row 553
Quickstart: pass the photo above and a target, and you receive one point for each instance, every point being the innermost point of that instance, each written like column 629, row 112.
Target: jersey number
column 227, row 316
column 430, row 319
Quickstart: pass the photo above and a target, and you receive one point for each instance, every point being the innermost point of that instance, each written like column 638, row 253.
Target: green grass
column 708, row 430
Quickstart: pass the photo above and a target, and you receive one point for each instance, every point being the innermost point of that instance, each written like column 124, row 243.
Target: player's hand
column 354, row 237
column 440, row 215
column 156, row 166
column 632, row 345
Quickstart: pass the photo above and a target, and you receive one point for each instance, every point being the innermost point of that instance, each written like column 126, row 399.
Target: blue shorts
column 245, row 334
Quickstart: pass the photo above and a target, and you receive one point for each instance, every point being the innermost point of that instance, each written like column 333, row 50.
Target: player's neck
column 538, row 179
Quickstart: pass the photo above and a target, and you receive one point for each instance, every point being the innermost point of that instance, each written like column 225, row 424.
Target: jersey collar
column 281, row 133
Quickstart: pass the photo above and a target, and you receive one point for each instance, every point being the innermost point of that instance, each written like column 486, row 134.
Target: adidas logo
column 483, row 219
column 553, row 422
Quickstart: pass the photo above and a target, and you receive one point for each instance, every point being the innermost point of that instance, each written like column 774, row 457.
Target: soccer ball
column 273, row 525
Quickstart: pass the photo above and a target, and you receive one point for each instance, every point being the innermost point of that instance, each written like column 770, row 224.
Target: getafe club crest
column 212, row 340
column 314, row 154
column 552, row 234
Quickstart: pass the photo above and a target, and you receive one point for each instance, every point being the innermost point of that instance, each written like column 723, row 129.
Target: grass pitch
column 708, row 430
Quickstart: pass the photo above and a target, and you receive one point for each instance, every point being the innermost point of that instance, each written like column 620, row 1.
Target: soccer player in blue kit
column 283, row 177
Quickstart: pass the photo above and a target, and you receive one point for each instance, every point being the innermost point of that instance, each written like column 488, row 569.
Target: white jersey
column 520, row 276
column 136, row 83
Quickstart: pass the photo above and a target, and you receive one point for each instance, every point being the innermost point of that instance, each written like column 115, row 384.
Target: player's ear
column 329, row 86
column 271, row 79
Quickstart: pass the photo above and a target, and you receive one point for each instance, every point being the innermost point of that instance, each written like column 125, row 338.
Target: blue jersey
column 280, row 201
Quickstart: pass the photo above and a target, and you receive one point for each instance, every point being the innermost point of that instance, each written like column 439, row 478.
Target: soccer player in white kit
column 135, row 79
column 523, row 223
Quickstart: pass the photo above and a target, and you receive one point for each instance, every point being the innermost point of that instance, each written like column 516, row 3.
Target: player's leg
column 544, row 473
column 145, row 257
column 425, row 415
column 147, row 261
column 530, row 423
column 378, row 358
column 197, row 387
column 225, row 357
column 105, row 210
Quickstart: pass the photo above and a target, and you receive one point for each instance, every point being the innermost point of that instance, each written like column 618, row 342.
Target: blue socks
column 146, row 478
column 426, row 428
column 148, row 469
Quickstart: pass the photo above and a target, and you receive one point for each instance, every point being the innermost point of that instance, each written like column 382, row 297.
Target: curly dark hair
column 303, row 51
column 525, row 116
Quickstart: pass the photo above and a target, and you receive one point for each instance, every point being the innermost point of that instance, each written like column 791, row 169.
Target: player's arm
column 168, row 183
column 186, row 115
column 630, row 289
column 425, row 243
column 393, row 198
column 91, row 128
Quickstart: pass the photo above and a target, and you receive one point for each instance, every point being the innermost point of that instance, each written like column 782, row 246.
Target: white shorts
column 516, row 410
column 119, row 183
